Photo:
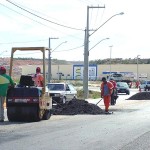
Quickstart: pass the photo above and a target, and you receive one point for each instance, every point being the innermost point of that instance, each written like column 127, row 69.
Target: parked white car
column 62, row 92
column 145, row 85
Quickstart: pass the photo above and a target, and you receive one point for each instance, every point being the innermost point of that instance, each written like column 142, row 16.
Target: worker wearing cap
column 106, row 91
column 38, row 78
column 5, row 83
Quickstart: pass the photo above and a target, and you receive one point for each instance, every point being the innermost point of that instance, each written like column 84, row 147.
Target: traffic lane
column 121, row 97
column 95, row 101
column 82, row 131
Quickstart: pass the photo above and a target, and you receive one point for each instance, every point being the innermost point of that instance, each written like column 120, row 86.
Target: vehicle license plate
column 21, row 100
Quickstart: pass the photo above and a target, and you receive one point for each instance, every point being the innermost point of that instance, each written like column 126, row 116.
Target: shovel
column 99, row 101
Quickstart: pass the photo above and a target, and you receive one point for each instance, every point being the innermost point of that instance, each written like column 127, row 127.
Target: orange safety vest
column 110, row 86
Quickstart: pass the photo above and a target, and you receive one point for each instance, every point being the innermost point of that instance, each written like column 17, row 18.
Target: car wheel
column 128, row 93
column 64, row 100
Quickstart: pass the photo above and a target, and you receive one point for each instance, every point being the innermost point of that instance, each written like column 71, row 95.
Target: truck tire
column 39, row 115
column 47, row 114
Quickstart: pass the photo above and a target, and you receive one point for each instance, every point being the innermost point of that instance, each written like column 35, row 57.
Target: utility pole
column 137, row 59
column 86, row 55
column 49, row 61
column 110, row 60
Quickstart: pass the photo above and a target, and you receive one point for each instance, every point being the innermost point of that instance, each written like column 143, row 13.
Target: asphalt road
column 128, row 128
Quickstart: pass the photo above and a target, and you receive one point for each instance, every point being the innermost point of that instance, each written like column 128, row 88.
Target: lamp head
column 122, row 13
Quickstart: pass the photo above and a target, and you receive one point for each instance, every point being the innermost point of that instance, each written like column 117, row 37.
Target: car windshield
column 56, row 87
column 116, row 75
column 145, row 82
column 122, row 84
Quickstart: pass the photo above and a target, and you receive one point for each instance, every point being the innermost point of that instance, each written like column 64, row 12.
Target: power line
column 53, row 52
column 24, row 42
column 23, row 15
column 44, row 18
column 70, row 49
column 36, row 21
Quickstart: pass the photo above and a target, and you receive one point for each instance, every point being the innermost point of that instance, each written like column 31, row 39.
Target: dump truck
column 119, row 77
column 26, row 102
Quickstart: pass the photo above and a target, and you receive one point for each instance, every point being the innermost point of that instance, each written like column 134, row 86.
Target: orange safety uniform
column 106, row 91
column 114, row 84
column 38, row 80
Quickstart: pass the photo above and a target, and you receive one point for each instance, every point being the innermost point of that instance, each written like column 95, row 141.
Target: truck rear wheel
column 47, row 114
column 39, row 115
column 24, row 113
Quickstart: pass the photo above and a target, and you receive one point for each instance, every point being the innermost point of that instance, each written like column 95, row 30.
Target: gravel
column 140, row 96
column 76, row 106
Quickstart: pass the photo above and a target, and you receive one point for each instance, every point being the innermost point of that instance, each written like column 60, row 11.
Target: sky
column 30, row 23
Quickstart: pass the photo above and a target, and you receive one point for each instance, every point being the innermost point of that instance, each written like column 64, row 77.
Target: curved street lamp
column 58, row 46
column 3, row 52
column 86, row 52
column 98, row 43
column 107, row 21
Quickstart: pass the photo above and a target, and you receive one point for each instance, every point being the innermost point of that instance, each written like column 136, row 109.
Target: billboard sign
column 78, row 72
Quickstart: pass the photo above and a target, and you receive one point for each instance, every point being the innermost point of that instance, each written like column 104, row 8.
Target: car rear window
column 56, row 87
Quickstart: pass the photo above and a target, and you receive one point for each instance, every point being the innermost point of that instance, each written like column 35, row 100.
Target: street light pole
column 50, row 60
column 86, row 50
column 137, row 67
column 86, row 55
column 110, row 60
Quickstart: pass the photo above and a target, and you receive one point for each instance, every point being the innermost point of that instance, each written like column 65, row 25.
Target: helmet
column 38, row 69
column 2, row 69
column 103, row 79
column 111, row 78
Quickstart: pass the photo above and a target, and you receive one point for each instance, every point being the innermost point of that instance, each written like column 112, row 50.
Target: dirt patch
column 75, row 107
column 140, row 96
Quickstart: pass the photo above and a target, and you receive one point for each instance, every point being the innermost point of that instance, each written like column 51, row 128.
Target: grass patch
column 92, row 94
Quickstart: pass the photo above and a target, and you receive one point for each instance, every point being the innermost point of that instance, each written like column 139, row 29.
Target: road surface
column 127, row 129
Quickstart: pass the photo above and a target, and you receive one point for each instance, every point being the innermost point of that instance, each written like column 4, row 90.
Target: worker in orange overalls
column 38, row 78
column 106, row 91
column 114, row 91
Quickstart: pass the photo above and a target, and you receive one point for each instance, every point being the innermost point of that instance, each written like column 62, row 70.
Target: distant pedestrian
column 137, row 84
column 5, row 83
column 106, row 91
column 38, row 78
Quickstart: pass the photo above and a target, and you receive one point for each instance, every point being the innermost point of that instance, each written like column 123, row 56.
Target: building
column 68, row 71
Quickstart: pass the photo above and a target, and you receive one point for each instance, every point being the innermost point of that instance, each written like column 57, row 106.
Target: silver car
column 62, row 92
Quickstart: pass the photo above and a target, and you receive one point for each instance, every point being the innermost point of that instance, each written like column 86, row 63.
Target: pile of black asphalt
column 75, row 107
column 140, row 96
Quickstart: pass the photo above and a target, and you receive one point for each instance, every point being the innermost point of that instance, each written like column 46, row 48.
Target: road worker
column 5, row 83
column 38, row 78
column 106, row 91
column 114, row 92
